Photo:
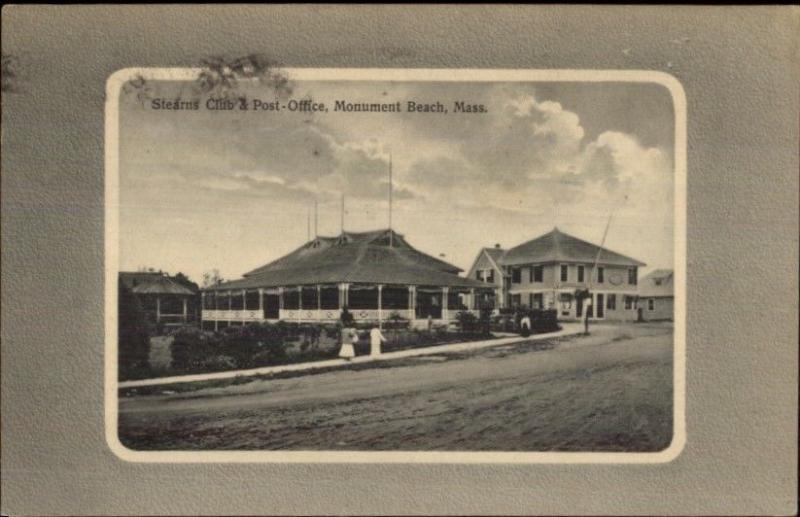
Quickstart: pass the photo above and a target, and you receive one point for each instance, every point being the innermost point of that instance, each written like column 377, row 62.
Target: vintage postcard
column 395, row 265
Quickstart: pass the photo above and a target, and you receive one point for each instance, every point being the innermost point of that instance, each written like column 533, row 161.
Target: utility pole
column 588, row 290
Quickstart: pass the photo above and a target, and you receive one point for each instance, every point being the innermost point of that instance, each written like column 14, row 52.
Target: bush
column 133, row 337
column 219, row 363
column 396, row 321
column 467, row 322
column 192, row 348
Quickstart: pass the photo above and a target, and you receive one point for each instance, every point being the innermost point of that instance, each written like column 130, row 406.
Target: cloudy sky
column 232, row 190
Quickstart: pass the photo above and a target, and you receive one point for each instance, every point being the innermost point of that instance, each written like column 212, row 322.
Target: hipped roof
column 557, row 246
column 378, row 257
column 162, row 285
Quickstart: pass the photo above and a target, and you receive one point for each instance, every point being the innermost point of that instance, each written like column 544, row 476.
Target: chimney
column 497, row 246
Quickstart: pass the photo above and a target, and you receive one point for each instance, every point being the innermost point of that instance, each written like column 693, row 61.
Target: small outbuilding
column 162, row 298
column 657, row 296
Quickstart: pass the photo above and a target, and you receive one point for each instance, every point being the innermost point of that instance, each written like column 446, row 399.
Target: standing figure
column 587, row 309
column 376, row 337
column 348, row 351
column 525, row 326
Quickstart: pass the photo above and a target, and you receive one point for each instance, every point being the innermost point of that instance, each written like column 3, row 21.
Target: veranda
column 323, row 303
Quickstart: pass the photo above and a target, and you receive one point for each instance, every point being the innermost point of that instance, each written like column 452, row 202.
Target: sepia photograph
column 391, row 259
column 396, row 264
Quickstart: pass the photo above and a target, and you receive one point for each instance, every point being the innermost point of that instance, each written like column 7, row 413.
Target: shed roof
column 557, row 246
column 656, row 284
column 351, row 257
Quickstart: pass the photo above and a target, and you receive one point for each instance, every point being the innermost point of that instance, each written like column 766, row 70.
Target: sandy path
column 612, row 389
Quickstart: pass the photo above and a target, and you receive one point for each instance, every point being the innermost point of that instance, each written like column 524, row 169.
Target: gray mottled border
column 739, row 69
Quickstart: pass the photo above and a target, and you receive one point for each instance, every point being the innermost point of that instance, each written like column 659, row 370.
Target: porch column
column 202, row 307
column 216, row 309
column 380, row 306
column 341, row 296
column 412, row 298
column 261, row 303
column 158, row 309
column 319, row 302
column 299, row 302
column 472, row 304
column 445, row 308
column 244, row 306
column 184, row 310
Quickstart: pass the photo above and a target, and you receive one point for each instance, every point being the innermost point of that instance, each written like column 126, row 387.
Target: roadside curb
column 568, row 329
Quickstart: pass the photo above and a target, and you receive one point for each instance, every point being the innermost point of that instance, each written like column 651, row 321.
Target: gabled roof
column 557, row 246
column 354, row 258
column 162, row 285
column 494, row 253
column 657, row 283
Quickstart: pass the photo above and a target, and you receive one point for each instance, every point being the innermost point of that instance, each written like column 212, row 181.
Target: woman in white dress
column 376, row 337
column 349, row 338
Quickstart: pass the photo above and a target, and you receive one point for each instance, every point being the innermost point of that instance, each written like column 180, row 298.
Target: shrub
column 192, row 348
column 219, row 363
column 133, row 345
column 467, row 322
column 396, row 321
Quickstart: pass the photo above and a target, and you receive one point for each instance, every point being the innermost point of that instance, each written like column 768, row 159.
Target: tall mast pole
column 342, row 214
column 308, row 224
column 391, row 237
column 316, row 220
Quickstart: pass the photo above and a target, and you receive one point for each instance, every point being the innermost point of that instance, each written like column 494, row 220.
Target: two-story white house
column 546, row 272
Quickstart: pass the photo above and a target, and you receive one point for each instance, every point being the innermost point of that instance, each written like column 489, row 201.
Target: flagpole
column 391, row 237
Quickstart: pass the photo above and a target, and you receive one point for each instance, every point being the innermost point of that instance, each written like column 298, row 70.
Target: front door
column 600, row 307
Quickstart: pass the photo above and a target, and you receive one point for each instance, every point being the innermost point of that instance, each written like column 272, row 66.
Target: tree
column 212, row 278
column 133, row 344
column 185, row 281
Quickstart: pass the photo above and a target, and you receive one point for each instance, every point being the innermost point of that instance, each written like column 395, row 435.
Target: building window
column 490, row 276
column 628, row 303
column 611, row 302
column 516, row 275
column 564, row 273
column 566, row 303
column 516, row 300
column 632, row 276
column 537, row 301
column 651, row 304
column 601, row 274
column 479, row 275
column 580, row 273
column 538, row 274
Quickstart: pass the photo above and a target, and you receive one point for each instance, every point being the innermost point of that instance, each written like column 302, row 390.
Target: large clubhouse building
column 546, row 273
column 376, row 275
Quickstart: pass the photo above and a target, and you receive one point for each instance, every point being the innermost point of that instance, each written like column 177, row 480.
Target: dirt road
column 609, row 391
